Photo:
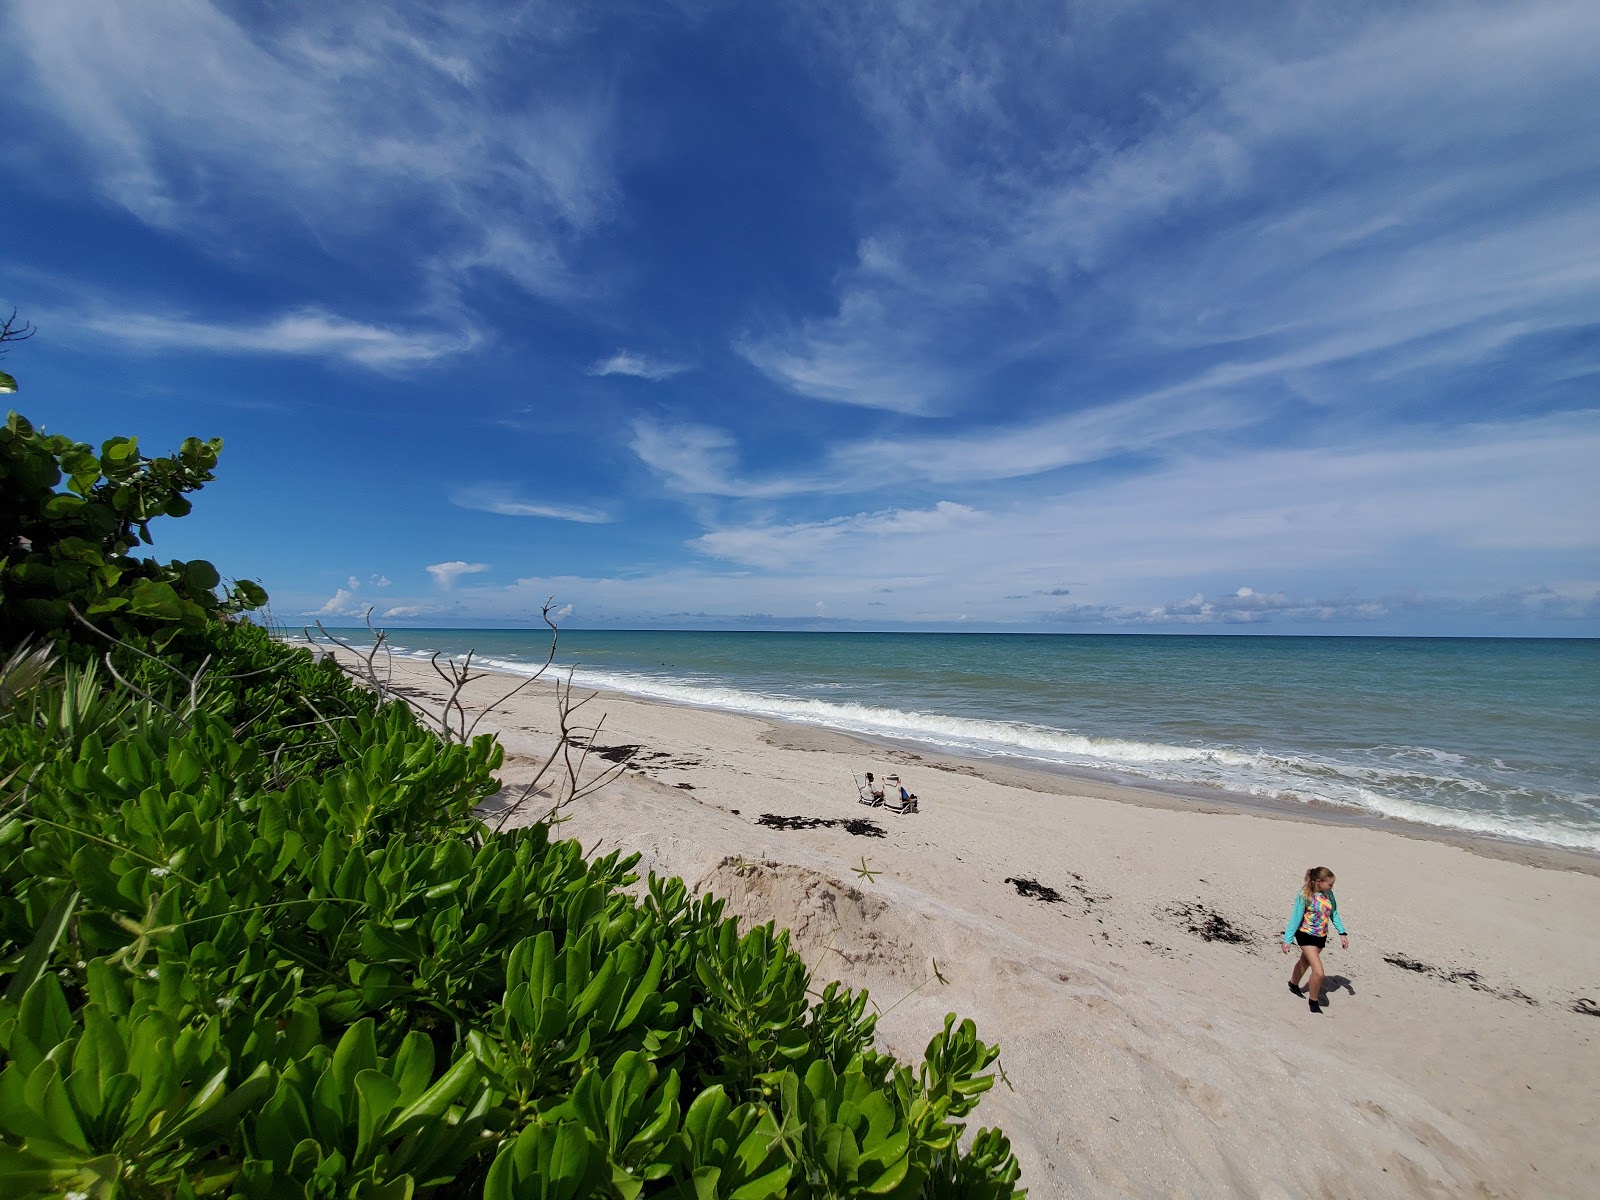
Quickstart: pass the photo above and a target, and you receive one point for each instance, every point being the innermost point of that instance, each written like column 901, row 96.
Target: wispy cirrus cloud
column 863, row 355
column 308, row 332
column 1292, row 196
column 638, row 366
column 337, row 121
column 506, row 502
column 702, row 460
column 807, row 545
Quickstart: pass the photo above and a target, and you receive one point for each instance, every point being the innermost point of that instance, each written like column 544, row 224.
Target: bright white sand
column 1143, row 1060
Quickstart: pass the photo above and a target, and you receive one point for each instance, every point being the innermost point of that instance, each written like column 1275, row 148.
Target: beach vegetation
column 257, row 941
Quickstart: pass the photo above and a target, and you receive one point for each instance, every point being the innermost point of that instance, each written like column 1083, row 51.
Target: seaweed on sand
column 859, row 826
column 1469, row 977
column 1035, row 890
column 1210, row 926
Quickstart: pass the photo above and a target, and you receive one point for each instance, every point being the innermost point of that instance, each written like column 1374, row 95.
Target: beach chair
column 864, row 793
column 909, row 805
column 897, row 805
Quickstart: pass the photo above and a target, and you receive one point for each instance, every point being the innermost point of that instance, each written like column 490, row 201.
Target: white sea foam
column 1283, row 777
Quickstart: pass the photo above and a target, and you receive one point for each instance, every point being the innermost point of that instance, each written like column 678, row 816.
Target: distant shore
column 1121, row 944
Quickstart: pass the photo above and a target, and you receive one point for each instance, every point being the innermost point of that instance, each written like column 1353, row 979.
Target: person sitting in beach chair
column 897, row 798
column 869, row 792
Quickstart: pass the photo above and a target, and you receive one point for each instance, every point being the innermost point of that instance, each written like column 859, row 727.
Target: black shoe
column 1315, row 1007
column 1297, row 989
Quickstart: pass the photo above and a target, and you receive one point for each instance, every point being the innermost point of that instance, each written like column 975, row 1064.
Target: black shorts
column 1310, row 939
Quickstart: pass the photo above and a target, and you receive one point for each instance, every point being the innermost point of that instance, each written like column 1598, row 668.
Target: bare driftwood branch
column 193, row 681
column 457, row 720
column 12, row 331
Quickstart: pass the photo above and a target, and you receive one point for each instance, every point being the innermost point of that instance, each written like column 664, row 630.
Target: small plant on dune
column 256, row 942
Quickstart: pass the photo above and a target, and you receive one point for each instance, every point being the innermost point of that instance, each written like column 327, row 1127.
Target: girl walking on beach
column 1315, row 909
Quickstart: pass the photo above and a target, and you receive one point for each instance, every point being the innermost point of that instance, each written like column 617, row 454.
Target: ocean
column 1494, row 736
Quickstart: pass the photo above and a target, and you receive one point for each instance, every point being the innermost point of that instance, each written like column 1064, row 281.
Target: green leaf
column 376, row 1097
column 199, row 575
column 119, row 450
column 7, row 383
column 249, row 594
column 149, row 598
column 432, row 1103
column 63, row 504
column 221, row 1116
column 413, row 1065
column 357, row 1051
column 43, row 945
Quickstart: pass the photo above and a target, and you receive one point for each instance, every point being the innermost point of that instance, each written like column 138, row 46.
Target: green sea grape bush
column 69, row 549
column 256, row 942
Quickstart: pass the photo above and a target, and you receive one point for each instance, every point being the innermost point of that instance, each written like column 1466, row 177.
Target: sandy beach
column 1122, row 946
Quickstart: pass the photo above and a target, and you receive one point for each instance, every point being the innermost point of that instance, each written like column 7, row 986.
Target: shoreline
column 1041, row 775
column 1179, row 797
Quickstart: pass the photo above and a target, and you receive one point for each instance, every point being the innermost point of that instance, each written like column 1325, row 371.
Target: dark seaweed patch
column 1210, row 926
column 616, row 754
column 1471, row 978
column 1409, row 964
column 688, row 787
column 1034, row 890
column 634, row 756
column 1586, row 1006
column 859, row 826
column 862, row 827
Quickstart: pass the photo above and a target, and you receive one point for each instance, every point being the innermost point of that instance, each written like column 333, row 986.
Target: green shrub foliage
column 255, row 942
column 71, row 549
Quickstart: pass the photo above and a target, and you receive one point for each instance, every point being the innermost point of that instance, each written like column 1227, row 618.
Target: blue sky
column 1264, row 317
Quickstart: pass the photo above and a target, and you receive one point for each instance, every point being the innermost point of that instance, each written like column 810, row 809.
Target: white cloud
column 413, row 610
column 337, row 119
column 809, row 545
column 502, row 500
column 861, row 356
column 307, row 332
column 1464, row 508
column 702, row 460
column 445, row 574
column 1300, row 193
column 1139, row 423
column 381, row 581
column 343, row 603
column 640, row 366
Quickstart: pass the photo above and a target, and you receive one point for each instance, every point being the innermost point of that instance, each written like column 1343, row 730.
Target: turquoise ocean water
column 1496, row 736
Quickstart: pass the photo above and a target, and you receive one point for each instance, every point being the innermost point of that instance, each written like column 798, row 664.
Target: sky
column 1073, row 317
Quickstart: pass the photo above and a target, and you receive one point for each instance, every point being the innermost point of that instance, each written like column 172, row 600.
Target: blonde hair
column 1314, row 876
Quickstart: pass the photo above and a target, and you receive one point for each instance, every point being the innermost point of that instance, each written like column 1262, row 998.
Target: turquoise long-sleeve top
column 1299, row 914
